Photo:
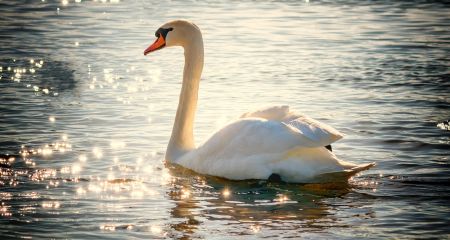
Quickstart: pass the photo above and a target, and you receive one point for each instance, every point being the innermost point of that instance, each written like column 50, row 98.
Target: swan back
column 318, row 132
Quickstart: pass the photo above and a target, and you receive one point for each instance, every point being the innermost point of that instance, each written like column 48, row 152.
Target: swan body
column 272, row 140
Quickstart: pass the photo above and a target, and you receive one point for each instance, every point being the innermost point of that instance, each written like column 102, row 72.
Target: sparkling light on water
column 118, row 108
column 226, row 193
column 98, row 153
column 82, row 158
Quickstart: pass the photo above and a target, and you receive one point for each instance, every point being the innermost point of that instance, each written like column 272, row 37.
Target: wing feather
column 318, row 132
column 276, row 113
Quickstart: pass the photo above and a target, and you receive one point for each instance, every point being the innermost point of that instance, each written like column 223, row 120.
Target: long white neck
column 182, row 139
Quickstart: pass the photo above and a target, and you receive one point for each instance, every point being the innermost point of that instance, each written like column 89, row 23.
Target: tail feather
column 343, row 176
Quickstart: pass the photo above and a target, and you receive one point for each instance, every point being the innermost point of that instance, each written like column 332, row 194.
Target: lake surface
column 85, row 118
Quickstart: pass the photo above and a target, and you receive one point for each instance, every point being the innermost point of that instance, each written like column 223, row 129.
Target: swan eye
column 162, row 32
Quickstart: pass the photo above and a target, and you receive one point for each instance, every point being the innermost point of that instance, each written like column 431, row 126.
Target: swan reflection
column 249, row 207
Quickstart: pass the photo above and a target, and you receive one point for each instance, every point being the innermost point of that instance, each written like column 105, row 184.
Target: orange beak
column 158, row 44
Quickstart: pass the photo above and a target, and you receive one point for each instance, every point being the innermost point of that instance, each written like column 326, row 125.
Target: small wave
column 121, row 180
column 414, row 145
column 426, row 181
column 445, row 125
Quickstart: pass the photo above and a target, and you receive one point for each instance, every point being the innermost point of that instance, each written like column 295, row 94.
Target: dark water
column 85, row 118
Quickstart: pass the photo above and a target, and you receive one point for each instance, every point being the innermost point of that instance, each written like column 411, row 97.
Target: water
column 85, row 118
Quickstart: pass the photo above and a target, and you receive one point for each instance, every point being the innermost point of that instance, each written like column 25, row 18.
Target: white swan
column 269, row 142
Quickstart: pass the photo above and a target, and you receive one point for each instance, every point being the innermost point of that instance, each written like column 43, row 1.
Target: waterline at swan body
column 268, row 141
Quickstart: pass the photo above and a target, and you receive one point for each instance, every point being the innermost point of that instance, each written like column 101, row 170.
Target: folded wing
column 318, row 132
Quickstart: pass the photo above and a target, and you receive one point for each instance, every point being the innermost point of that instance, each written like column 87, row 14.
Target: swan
column 269, row 143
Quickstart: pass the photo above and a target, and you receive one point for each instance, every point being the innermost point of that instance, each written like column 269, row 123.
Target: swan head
column 174, row 33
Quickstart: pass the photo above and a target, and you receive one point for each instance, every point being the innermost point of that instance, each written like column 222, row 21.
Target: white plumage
column 268, row 141
column 262, row 143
